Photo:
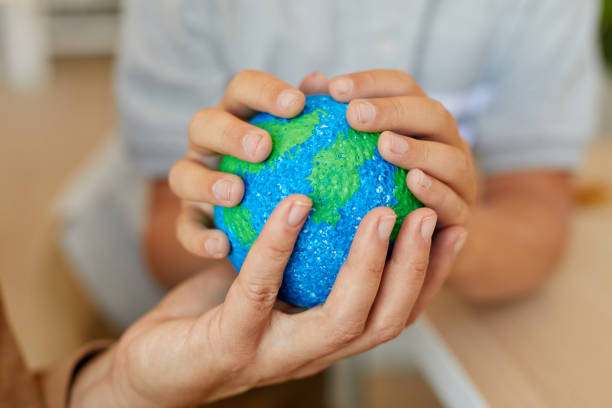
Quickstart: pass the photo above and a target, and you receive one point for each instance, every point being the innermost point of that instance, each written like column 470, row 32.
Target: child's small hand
column 224, row 130
column 419, row 134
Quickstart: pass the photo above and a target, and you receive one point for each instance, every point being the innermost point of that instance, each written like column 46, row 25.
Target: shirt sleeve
column 545, row 77
column 21, row 388
column 169, row 66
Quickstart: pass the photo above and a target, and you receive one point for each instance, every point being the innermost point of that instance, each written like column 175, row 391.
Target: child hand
column 420, row 135
column 224, row 130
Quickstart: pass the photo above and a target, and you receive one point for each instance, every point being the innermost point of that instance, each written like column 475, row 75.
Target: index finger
column 254, row 91
column 251, row 298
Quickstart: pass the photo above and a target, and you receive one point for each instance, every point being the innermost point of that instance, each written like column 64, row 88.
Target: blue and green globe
column 319, row 155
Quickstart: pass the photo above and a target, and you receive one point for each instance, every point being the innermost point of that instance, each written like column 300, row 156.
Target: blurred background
column 57, row 109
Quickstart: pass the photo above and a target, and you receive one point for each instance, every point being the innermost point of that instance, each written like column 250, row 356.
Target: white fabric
column 101, row 216
column 520, row 76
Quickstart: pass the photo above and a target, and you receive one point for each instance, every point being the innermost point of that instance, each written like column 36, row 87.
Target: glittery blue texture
column 321, row 247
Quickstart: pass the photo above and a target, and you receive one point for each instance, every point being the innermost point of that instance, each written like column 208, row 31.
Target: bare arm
column 168, row 262
column 517, row 235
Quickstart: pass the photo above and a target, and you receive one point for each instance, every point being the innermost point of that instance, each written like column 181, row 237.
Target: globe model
column 319, row 155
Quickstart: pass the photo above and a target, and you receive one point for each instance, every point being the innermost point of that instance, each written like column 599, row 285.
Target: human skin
column 527, row 212
column 188, row 350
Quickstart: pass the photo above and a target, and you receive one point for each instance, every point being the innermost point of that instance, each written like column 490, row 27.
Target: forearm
column 168, row 262
column 517, row 236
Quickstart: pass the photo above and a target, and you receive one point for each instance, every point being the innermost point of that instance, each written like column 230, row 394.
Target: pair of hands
column 188, row 350
column 442, row 174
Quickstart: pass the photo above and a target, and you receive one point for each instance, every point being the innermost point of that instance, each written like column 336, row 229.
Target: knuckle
column 240, row 76
column 260, row 291
column 439, row 112
column 309, row 371
column 344, row 333
column 176, row 178
column 277, row 253
column 409, row 84
column 418, row 266
column 437, row 107
column 396, row 108
column 448, row 203
column 269, row 91
column 423, row 151
column 388, row 331
column 200, row 117
column 464, row 163
column 370, row 266
column 181, row 231
column 228, row 130
column 395, row 262
column 235, row 362
column 406, row 77
column 367, row 77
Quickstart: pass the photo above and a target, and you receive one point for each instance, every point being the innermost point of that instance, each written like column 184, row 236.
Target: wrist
column 93, row 385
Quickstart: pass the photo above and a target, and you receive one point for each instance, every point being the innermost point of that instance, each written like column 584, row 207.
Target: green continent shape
column 285, row 136
column 406, row 202
column 238, row 218
column 335, row 173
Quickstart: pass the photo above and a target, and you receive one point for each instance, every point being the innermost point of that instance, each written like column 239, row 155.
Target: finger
column 343, row 316
column 447, row 245
column 449, row 164
column 315, row 83
column 403, row 278
column 407, row 115
column 214, row 131
column 357, row 282
column 373, row 84
column 255, row 91
column 450, row 207
column 193, row 182
column 252, row 296
column 399, row 289
column 196, row 238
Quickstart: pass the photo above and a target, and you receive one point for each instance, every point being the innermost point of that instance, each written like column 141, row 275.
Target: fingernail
column 427, row 228
column 250, row 141
column 343, row 86
column 460, row 242
column 298, row 213
column 222, row 189
column 424, row 180
column 385, row 226
column 213, row 247
column 398, row 144
column 288, row 99
column 365, row 112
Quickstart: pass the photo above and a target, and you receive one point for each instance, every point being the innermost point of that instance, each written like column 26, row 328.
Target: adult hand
column 420, row 135
column 183, row 352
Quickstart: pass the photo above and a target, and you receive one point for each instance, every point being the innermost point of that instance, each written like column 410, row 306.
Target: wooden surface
column 554, row 347
column 46, row 135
